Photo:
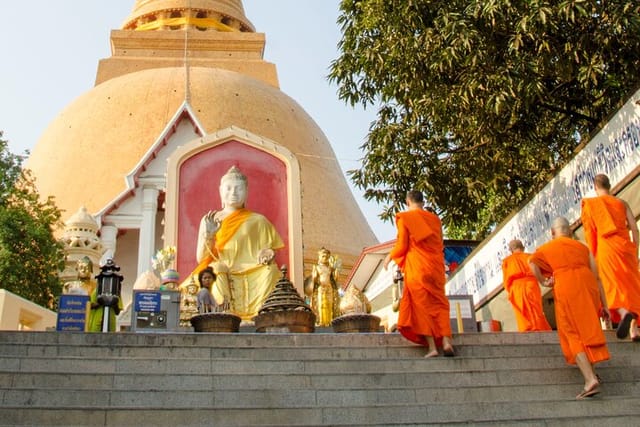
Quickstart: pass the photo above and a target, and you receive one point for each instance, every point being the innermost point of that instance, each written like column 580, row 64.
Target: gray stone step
column 290, row 352
column 292, row 348
column 209, row 396
column 231, row 365
column 304, row 379
column 487, row 413
column 331, row 343
column 594, row 421
column 256, row 340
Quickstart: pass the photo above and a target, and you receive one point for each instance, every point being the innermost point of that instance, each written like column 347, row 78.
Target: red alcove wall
column 199, row 180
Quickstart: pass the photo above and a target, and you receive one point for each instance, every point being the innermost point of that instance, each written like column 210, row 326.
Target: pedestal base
column 285, row 321
column 360, row 322
column 216, row 322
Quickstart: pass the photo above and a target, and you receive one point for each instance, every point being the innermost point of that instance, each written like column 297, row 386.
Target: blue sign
column 147, row 301
column 72, row 313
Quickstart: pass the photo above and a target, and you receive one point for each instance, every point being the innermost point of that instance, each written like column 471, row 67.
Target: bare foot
column 589, row 390
column 432, row 353
column 449, row 351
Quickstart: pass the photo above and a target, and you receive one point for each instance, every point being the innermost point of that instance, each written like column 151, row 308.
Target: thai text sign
column 147, row 301
column 72, row 313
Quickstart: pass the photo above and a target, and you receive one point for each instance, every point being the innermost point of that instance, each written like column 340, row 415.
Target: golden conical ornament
column 175, row 14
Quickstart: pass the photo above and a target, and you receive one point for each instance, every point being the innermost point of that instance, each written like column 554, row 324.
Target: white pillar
column 146, row 245
column 108, row 236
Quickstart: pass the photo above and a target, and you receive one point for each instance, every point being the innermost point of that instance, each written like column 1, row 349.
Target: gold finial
column 217, row 15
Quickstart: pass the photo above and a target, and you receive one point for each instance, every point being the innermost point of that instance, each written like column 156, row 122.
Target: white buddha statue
column 240, row 246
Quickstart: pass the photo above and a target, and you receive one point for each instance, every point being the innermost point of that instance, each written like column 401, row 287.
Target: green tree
column 30, row 256
column 480, row 102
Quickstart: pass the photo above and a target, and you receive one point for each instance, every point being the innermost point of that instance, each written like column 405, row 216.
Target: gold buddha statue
column 240, row 247
column 188, row 302
column 84, row 283
column 322, row 288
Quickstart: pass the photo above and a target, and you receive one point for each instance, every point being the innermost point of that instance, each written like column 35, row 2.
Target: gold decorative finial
column 203, row 15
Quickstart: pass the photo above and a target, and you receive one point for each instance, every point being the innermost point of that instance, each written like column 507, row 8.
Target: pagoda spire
column 204, row 15
column 186, row 34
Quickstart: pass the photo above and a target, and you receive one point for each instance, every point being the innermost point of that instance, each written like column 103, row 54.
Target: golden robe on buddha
column 241, row 278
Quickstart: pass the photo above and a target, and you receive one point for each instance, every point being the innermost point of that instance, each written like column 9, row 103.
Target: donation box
column 155, row 311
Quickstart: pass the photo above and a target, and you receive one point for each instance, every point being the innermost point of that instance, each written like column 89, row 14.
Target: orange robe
column 419, row 252
column 576, row 297
column 524, row 293
column 604, row 220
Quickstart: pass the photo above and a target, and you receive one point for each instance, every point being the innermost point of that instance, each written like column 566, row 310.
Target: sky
column 49, row 56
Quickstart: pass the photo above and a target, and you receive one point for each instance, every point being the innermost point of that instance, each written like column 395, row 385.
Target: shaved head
column 415, row 196
column 561, row 226
column 515, row 245
column 602, row 181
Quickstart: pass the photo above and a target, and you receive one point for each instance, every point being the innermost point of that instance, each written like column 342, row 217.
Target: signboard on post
column 462, row 315
column 73, row 311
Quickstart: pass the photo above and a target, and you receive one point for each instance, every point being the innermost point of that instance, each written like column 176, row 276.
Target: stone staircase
column 247, row 379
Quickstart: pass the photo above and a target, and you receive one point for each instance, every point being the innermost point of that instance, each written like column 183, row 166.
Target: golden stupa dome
column 99, row 138
column 203, row 56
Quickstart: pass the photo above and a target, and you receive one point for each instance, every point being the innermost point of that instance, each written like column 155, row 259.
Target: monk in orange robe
column 419, row 252
column 578, row 296
column 607, row 221
column 523, row 290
